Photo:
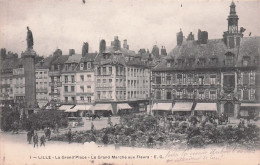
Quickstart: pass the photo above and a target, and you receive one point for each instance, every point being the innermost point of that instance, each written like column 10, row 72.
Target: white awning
column 83, row 107
column 250, row 105
column 206, row 107
column 123, row 106
column 182, row 106
column 102, row 107
column 162, row 106
column 65, row 107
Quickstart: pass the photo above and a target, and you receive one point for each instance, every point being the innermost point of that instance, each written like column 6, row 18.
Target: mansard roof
column 46, row 63
column 214, row 48
column 61, row 60
column 89, row 57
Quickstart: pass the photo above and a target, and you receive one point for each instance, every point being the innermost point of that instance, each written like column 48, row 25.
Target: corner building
column 219, row 75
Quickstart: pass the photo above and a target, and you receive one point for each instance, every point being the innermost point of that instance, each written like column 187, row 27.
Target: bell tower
column 233, row 19
column 232, row 36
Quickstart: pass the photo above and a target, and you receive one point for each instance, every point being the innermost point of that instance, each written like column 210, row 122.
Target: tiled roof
column 89, row 57
column 213, row 49
column 46, row 63
column 61, row 60
column 11, row 63
column 74, row 58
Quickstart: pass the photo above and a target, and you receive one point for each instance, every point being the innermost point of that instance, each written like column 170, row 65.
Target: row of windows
column 135, row 72
column 120, row 95
column 120, row 71
column 66, row 89
column 247, row 78
column 16, row 80
column 247, row 94
column 82, row 66
column 105, row 82
column 136, row 84
column 82, row 98
column 184, row 94
column 19, row 90
column 186, row 79
column 136, row 94
column 7, row 90
column 82, row 88
column 41, row 75
column 104, row 94
column 82, row 77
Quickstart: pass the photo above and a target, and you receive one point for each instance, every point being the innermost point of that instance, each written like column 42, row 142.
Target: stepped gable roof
column 214, row 48
column 61, row 60
column 46, row 63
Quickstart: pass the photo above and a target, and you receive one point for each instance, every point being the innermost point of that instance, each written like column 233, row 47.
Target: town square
column 130, row 82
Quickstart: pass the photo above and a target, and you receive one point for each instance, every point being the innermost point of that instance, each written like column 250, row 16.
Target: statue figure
column 29, row 39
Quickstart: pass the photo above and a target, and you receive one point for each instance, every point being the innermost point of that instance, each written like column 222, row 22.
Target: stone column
column 30, row 79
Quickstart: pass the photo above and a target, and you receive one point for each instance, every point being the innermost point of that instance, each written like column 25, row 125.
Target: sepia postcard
column 129, row 82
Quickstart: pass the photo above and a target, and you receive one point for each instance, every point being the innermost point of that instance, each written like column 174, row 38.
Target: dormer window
column 213, row 61
column 66, row 66
column 202, row 61
column 191, row 61
column 229, row 59
column 245, row 60
column 256, row 60
column 72, row 66
column 58, row 66
column 168, row 64
column 89, row 65
column 81, row 66
column 180, row 61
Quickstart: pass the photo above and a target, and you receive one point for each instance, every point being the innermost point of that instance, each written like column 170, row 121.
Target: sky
column 66, row 24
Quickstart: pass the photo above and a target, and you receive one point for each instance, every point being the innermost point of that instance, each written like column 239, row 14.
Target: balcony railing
column 84, row 94
column 69, row 93
column 54, row 93
column 42, row 90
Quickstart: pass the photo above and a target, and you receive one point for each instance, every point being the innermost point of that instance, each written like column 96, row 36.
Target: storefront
column 250, row 110
column 103, row 109
column 65, row 107
column 205, row 109
column 123, row 108
column 82, row 110
column 161, row 108
column 182, row 108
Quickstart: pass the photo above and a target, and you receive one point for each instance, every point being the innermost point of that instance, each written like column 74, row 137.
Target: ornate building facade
column 218, row 74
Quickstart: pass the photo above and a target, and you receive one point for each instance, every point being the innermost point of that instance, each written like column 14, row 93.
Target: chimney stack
column 125, row 45
column 71, row 52
column 102, row 46
column 179, row 38
column 190, row 37
column 202, row 37
column 84, row 49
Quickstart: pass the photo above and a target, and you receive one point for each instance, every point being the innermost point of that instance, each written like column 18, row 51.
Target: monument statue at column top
column 29, row 39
